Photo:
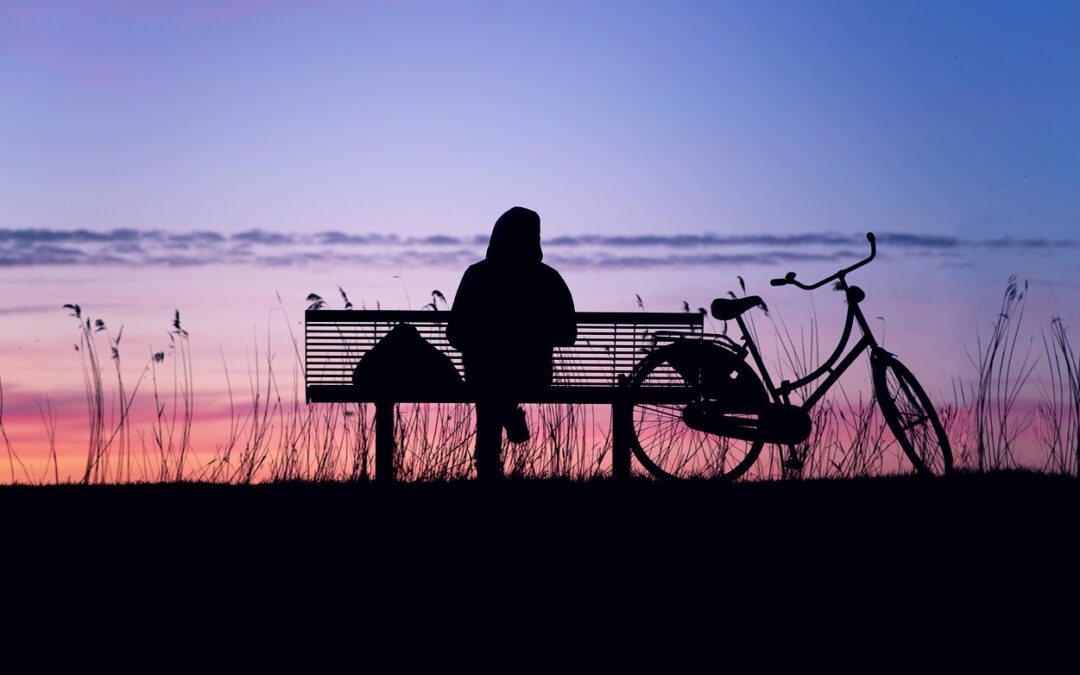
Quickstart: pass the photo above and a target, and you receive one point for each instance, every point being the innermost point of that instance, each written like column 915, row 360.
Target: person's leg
column 489, row 427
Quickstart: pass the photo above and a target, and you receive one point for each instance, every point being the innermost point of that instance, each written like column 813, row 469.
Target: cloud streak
column 19, row 310
column 158, row 248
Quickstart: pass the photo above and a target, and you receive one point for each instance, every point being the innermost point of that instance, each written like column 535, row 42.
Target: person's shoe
column 517, row 430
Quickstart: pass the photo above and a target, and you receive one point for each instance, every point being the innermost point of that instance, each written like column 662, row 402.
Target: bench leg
column 622, row 426
column 384, row 442
column 489, row 439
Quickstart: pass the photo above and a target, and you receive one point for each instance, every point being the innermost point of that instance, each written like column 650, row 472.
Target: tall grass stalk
column 1058, row 426
column 13, row 457
column 173, row 414
column 114, row 430
column 48, row 420
column 1001, row 380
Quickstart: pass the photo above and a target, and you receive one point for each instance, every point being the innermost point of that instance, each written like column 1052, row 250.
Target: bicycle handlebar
column 789, row 278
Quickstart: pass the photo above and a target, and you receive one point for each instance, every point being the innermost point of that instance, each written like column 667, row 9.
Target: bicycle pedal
column 793, row 464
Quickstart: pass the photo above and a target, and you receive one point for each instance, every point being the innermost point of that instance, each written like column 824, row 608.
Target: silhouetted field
column 965, row 514
column 847, row 560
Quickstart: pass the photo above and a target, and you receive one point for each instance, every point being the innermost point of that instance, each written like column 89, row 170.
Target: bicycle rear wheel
column 662, row 442
column 911, row 416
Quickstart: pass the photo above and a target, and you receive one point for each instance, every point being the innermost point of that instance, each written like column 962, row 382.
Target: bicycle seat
column 726, row 310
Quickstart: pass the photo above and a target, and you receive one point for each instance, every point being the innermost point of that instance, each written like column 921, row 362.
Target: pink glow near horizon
column 233, row 315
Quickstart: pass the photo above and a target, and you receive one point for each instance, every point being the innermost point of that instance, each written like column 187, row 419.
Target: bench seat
column 593, row 371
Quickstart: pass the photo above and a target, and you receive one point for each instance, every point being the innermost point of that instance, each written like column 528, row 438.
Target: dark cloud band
column 44, row 247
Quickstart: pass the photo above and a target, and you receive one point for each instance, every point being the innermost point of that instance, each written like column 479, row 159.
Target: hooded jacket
column 511, row 309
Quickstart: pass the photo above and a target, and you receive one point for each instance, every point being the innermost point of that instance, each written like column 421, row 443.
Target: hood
column 516, row 237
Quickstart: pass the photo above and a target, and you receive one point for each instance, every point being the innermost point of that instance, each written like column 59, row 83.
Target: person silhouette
column 509, row 313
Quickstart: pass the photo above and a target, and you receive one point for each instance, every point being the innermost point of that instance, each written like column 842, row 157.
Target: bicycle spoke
column 667, row 442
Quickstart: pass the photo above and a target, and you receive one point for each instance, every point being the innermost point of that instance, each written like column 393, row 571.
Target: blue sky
column 627, row 117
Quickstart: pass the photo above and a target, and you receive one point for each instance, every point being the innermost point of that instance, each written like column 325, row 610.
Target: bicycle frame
column 834, row 366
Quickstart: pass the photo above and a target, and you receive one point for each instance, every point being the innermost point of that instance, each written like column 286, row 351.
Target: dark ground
column 967, row 515
column 957, row 553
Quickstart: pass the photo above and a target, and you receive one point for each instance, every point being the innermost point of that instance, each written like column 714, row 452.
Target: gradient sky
column 953, row 127
column 613, row 117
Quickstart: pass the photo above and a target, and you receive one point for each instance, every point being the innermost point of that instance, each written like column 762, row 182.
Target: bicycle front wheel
column 662, row 441
column 911, row 416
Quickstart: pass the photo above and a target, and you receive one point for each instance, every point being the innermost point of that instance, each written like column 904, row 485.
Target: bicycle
column 718, row 430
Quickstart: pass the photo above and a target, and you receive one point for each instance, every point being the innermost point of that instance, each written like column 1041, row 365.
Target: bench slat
column 425, row 316
column 583, row 395
column 609, row 344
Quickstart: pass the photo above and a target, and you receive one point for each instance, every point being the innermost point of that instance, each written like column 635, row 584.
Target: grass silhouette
column 272, row 435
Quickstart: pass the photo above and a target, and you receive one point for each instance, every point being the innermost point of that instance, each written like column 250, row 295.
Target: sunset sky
column 208, row 156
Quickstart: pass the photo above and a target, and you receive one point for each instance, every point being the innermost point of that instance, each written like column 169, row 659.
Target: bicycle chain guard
column 734, row 401
column 771, row 422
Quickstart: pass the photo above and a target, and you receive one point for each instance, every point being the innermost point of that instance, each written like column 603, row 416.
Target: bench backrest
column 609, row 344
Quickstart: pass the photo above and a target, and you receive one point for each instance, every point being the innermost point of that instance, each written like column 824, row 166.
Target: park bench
column 592, row 371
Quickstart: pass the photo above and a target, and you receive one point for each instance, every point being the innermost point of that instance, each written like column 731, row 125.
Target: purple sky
column 430, row 117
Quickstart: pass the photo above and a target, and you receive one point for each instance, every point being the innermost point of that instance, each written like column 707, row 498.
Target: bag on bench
column 403, row 364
